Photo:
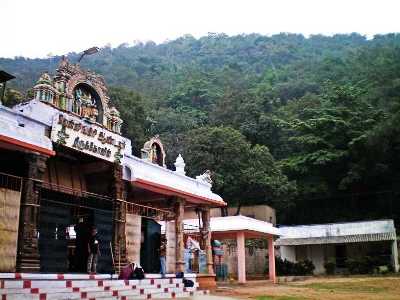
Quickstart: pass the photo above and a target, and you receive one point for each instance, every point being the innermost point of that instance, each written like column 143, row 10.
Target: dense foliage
column 288, row 268
column 368, row 265
column 309, row 125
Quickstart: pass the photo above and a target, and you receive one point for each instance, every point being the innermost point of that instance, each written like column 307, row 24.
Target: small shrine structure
column 240, row 228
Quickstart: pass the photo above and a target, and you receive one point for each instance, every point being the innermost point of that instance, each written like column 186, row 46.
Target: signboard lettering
column 91, row 139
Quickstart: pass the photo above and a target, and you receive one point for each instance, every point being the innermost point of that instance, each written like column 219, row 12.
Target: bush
column 288, row 268
column 330, row 267
column 364, row 265
column 305, row 267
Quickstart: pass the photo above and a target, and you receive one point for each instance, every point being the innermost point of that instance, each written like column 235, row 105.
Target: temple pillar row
column 119, row 219
column 28, row 259
column 206, row 237
column 180, row 247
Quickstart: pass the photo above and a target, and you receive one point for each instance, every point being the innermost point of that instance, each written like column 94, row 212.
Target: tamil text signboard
column 86, row 137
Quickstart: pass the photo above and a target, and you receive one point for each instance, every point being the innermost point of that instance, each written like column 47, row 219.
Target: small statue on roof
column 153, row 151
column 63, row 62
column 180, row 165
column 205, row 177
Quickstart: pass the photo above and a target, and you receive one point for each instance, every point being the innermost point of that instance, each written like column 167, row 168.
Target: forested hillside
column 308, row 125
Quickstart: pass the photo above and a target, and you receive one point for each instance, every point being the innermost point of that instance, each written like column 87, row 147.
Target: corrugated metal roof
column 360, row 238
column 337, row 229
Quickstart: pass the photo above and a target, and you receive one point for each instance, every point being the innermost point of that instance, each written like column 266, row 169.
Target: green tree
column 242, row 173
column 321, row 129
column 132, row 110
column 12, row 97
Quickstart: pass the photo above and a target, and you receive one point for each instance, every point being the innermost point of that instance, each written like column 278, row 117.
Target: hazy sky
column 36, row 28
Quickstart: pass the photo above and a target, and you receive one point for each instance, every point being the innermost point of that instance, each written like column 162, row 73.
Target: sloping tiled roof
column 335, row 233
column 372, row 237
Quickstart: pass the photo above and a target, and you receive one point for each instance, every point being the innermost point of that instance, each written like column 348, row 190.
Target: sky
column 38, row 28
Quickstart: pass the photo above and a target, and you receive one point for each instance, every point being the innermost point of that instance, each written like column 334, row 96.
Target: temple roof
column 23, row 133
column 4, row 76
column 351, row 232
column 39, row 117
column 150, row 176
column 233, row 224
column 45, row 79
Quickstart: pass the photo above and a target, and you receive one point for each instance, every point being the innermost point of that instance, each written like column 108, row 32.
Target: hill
column 308, row 125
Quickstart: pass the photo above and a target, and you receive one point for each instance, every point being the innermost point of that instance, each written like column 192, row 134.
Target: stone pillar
column 206, row 236
column 180, row 247
column 28, row 259
column 395, row 256
column 170, row 233
column 119, row 218
column 241, row 256
column 133, row 233
column 271, row 259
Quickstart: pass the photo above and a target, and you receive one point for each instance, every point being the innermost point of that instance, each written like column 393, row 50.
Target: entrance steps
column 30, row 286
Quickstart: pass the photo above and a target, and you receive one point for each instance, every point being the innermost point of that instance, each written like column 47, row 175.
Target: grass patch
column 280, row 298
column 347, row 287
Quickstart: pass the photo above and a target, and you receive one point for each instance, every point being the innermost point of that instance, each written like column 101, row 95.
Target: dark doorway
column 341, row 256
column 53, row 239
column 78, row 244
column 149, row 251
column 64, row 232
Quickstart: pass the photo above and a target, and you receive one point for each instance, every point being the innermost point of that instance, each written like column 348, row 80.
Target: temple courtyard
column 368, row 288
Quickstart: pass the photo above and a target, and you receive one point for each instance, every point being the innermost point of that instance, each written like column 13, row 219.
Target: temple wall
column 259, row 212
column 287, row 252
column 9, row 220
column 133, row 230
column 256, row 260
column 171, row 246
column 60, row 174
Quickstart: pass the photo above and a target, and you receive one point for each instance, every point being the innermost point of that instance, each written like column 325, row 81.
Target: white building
column 338, row 242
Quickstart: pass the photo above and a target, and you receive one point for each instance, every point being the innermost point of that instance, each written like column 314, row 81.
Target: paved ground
column 335, row 288
column 211, row 297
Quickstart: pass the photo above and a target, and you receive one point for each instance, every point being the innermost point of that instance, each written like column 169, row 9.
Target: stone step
column 49, row 290
column 40, row 276
column 24, row 286
column 97, row 294
column 88, row 283
column 104, row 296
column 73, row 276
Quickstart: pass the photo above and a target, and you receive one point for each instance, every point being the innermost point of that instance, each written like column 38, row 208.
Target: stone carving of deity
column 87, row 104
column 153, row 154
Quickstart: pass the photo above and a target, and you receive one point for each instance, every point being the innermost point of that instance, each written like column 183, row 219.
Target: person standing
column 163, row 254
column 82, row 231
column 93, row 250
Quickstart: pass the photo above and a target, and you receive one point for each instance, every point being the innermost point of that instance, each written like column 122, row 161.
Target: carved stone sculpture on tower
column 205, row 177
column 180, row 165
